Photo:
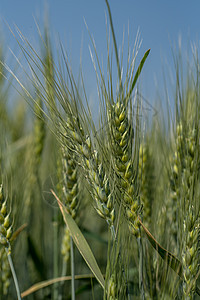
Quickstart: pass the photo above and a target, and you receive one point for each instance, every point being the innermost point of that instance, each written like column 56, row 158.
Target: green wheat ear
column 123, row 141
column 5, row 271
column 185, row 183
column 112, row 288
column 5, row 227
column 190, row 254
column 92, row 166
column 70, row 182
column 188, row 196
column 121, row 145
column 68, row 190
column 5, row 237
column 146, row 174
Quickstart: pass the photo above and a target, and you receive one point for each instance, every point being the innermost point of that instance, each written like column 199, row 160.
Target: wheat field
column 97, row 207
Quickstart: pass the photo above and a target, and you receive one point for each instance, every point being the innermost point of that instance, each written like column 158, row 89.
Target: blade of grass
column 18, row 231
column 137, row 74
column 81, row 243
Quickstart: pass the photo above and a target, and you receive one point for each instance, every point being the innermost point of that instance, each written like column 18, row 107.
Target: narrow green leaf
column 18, row 231
column 81, row 243
column 43, row 284
column 137, row 74
column 171, row 260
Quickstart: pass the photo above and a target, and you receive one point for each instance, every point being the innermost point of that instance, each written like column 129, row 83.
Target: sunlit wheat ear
column 5, row 235
column 5, row 227
column 112, row 288
column 122, row 141
column 101, row 190
column 5, row 271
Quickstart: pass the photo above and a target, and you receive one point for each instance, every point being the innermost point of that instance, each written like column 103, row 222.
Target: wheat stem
column 55, row 255
column 72, row 269
column 13, row 273
column 141, row 262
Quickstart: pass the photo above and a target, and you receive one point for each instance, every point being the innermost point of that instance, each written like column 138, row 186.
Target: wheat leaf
column 43, row 284
column 137, row 74
column 18, row 231
column 81, row 243
column 171, row 260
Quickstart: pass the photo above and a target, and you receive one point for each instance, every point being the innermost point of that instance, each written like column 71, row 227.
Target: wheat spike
column 5, row 227
column 122, row 139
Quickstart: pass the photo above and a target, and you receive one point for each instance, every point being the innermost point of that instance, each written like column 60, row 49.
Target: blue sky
column 161, row 23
